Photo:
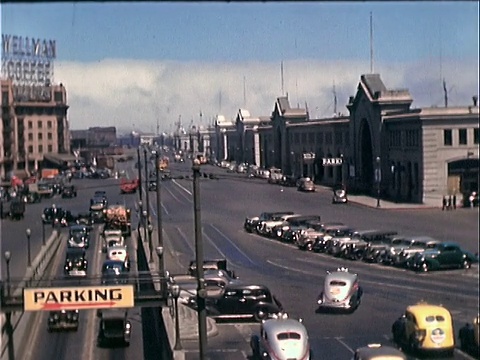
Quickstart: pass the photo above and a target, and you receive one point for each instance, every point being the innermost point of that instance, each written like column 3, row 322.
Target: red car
column 129, row 186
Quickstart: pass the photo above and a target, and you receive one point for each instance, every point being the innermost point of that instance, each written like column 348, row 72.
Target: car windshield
column 338, row 283
column 289, row 336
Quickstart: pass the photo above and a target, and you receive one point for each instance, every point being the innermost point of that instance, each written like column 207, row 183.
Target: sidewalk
column 389, row 205
column 188, row 318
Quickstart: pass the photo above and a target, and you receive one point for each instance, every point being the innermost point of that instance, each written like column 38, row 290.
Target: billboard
column 28, row 62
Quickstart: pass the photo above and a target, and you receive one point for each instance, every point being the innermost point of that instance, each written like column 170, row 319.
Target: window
column 475, row 136
column 5, row 98
column 50, row 148
column 30, row 149
column 447, row 137
column 462, row 136
column 40, row 149
column 39, row 124
column 30, row 124
column 49, row 124
column 411, row 138
column 49, row 136
column 40, row 136
column 58, row 96
column 30, row 137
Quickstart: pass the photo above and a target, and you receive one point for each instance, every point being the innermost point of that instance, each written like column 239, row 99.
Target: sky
column 136, row 65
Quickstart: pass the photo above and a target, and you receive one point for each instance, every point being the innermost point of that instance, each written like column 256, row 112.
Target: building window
column 30, row 149
column 30, row 137
column 39, row 124
column 5, row 98
column 447, row 137
column 49, row 136
column 476, row 136
column 30, row 124
column 50, row 148
column 462, row 136
column 58, row 96
column 411, row 138
column 49, row 124
column 40, row 136
column 40, row 149
column 328, row 138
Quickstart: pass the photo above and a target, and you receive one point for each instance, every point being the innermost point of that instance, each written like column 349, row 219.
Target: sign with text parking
column 81, row 298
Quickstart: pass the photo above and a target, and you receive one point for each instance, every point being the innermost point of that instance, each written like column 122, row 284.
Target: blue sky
column 197, row 42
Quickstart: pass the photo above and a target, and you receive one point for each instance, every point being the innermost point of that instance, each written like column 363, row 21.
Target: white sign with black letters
column 332, row 161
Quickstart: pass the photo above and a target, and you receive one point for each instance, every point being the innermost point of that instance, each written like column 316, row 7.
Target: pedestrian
column 444, row 202
column 454, row 202
column 449, row 205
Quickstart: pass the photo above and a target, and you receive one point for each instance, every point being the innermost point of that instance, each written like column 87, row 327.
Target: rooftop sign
column 81, row 298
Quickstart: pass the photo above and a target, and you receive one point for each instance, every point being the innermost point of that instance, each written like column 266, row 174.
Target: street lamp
column 150, row 230
column 378, row 179
column 163, row 282
column 175, row 290
column 159, row 213
column 43, row 233
column 7, row 255
column 145, row 224
column 147, row 197
column 29, row 258
column 139, row 165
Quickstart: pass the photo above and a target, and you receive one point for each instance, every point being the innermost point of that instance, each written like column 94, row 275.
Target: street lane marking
column 185, row 239
column 233, row 244
column 344, row 344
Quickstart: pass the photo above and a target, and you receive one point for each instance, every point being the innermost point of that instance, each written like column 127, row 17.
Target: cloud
column 134, row 95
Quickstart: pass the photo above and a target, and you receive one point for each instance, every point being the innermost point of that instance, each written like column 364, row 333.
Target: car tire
column 260, row 314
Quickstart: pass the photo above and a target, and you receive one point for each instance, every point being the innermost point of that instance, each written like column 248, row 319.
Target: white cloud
column 133, row 94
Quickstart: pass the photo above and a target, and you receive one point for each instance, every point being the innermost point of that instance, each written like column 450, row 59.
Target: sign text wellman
column 20, row 46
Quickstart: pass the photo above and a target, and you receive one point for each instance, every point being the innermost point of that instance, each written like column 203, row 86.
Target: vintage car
column 114, row 272
column 281, row 338
column 469, row 336
column 115, row 328
column 418, row 244
column 426, row 328
column 388, row 255
column 377, row 243
column 54, row 215
column 69, row 191
column 76, row 263
column 119, row 253
column 446, row 255
column 241, row 301
column 292, row 234
column 112, row 237
column 306, row 185
column 324, row 242
column 152, row 184
column 341, row 291
column 211, row 264
column 378, row 352
column 309, row 236
column 339, row 195
column 78, row 240
column 265, row 227
column 251, row 224
column 297, row 220
column 62, row 320
column 84, row 219
column 362, row 240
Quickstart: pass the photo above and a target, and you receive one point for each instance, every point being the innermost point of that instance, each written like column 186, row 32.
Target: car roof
column 422, row 309
column 341, row 275
column 276, row 326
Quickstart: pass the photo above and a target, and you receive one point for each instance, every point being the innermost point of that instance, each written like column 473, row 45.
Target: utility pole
column 161, row 264
column 147, row 220
column 139, row 165
column 202, row 314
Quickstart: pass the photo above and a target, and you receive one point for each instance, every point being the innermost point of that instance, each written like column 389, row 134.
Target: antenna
column 281, row 74
column 371, row 43
column 445, row 93
column 244, row 94
column 334, row 99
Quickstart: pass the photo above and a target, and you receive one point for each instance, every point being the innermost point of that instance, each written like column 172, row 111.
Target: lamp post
column 43, row 233
column 150, row 230
column 7, row 255
column 147, row 197
column 145, row 224
column 163, row 280
column 175, row 289
column 29, row 257
column 378, row 179
column 139, row 165
column 202, row 314
column 161, row 265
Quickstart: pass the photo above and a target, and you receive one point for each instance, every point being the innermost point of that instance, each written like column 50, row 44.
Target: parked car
column 419, row 244
column 281, row 338
column 446, row 255
column 306, row 185
column 76, row 263
column 275, row 176
column 378, row 352
column 341, row 291
column 323, row 242
column 388, row 255
column 426, row 328
column 251, row 223
column 69, row 191
column 339, row 195
column 297, row 220
column 469, row 336
column 314, row 229
column 362, row 240
column 238, row 301
column 62, row 320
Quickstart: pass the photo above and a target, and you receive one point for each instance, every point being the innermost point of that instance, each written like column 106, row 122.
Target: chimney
column 475, row 99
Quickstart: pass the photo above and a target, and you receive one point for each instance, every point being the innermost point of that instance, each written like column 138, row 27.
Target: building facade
column 32, row 128
column 383, row 147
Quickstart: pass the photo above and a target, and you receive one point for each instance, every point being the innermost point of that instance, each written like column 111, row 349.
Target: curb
column 400, row 208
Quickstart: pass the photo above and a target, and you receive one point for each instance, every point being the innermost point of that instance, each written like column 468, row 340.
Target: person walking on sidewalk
column 449, row 205
column 454, row 202
column 444, row 202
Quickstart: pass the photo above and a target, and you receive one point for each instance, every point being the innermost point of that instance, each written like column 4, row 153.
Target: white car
column 265, row 228
column 119, row 253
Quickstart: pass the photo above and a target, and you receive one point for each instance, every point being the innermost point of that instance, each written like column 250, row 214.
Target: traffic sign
column 81, row 298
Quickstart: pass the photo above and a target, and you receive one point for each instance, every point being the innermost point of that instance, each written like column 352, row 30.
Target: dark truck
column 14, row 209
column 114, row 327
